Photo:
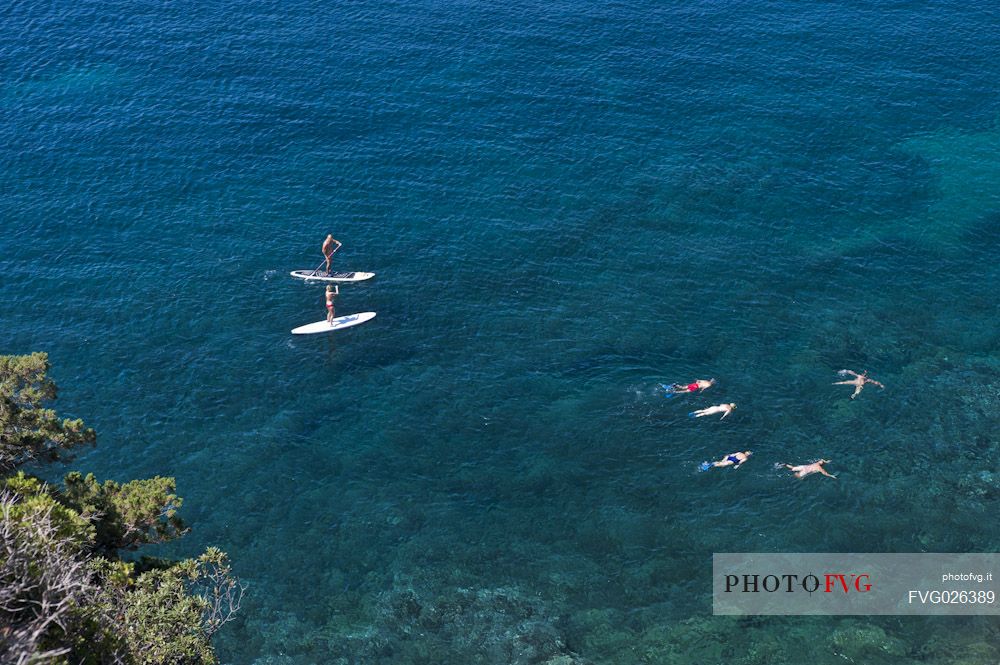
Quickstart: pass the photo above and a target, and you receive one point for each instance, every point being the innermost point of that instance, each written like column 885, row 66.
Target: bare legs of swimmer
column 734, row 460
column 858, row 381
column 724, row 409
column 803, row 470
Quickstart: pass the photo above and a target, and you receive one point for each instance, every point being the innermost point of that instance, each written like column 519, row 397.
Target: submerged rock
column 475, row 626
column 861, row 641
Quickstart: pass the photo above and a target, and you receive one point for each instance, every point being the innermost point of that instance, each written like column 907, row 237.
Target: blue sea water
column 566, row 204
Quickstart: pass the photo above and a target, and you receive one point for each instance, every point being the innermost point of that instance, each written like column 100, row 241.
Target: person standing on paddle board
column 329, row 249
column 331, row 291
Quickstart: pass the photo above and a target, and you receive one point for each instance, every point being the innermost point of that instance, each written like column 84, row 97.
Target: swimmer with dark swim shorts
column 734, row 460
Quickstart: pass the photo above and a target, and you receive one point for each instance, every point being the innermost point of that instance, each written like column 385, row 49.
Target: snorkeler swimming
column 734, row 460
column 803, row 470
column 858, row 381
column 724, row 409
column 684, row 388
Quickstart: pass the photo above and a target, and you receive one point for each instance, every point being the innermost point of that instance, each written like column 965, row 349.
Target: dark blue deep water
column 566, row 203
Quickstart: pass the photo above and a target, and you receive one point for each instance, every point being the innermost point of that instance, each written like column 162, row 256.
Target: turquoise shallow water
column 566, row 204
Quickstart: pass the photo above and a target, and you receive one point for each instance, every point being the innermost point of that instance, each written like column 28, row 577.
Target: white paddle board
column 321, row 276
column 338, row 323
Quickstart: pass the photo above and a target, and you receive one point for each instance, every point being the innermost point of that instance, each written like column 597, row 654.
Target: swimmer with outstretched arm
column 734, row 460
column 803, row 470
column 858, row 381
column 724, row 409
column 682, row 388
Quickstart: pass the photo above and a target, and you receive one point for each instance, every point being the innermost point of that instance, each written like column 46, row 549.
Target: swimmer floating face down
column 858, row 381
column 803, row 470
column 698, row 385
column 724, row 409
column 734, row 460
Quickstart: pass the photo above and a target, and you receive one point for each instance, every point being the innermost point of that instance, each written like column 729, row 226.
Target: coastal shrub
column 66, row 593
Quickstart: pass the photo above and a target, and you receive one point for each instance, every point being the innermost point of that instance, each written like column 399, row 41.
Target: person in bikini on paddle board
column 331, row 291
column 329, row 249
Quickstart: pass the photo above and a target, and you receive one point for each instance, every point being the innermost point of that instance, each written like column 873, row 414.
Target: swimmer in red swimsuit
column 331, row 291
column 681, row 388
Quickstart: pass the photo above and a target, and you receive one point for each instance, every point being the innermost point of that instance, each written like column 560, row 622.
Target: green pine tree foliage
column 28, row 430
column 126, row 516
column 35, row 498
column 167, row 613
column 66, row 595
